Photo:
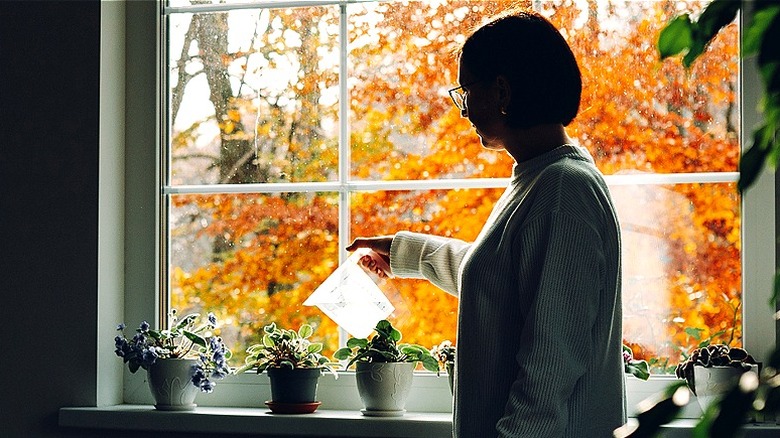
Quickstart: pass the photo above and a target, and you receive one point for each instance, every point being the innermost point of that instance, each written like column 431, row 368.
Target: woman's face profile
column 481, row 109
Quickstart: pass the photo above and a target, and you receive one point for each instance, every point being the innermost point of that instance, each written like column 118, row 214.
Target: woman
column 539, row 318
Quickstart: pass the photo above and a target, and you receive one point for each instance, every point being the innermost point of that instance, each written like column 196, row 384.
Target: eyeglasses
column 458, row 95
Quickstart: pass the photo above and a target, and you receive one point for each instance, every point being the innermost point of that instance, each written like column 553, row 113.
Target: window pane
column 648, row 117
column 254, row 96
column 253, row 260
column 638, row 114
column 681, row 267
column 403, row 124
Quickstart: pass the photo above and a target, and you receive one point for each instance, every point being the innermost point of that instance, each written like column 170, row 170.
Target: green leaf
column 342, row 353
column 694, row 50
column 267, row 341
column 732, row 411
column 639, row 369
column 383, row 326
column 194, row 338
column 357, row 343
column 430, row 364
column 314, row 347
column 187, row 320
column 752, row 161
column 715, row 16
column 695, row 333
column 775, row 292
column 676, row 37
column 754, row 32
column 305, row 331
column 411, row 350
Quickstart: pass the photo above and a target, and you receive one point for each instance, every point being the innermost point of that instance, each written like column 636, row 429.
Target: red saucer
column 292, row 408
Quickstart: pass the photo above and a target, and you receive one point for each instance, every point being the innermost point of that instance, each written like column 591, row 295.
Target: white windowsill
column 236, row 407
column 322, row 423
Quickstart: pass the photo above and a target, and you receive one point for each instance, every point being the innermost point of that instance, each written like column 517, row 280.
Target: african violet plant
column 444, row 353
column 711, row 356
column 384, row 347
column 637, row 368
column 183, row 339
column 284, row 348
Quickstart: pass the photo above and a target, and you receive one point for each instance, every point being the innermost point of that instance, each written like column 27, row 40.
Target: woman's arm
column 435, row 258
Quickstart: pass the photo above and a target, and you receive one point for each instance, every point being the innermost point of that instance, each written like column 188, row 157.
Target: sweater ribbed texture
column 539, row 319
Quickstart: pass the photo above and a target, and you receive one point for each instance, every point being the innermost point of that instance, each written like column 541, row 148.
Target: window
column 292, row 127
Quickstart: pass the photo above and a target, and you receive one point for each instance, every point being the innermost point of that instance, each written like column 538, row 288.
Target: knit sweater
column 539, row 318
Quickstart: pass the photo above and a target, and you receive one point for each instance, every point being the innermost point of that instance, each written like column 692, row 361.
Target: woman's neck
column 525, row 144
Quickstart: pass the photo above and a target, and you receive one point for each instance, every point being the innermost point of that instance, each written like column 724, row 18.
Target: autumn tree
column 254, row 257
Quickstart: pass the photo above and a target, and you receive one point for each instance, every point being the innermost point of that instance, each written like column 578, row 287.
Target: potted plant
column 294, row 365
column 444, row 353
column 178, row 360
column 712, row 370
column 384, row 369
column 637, row 368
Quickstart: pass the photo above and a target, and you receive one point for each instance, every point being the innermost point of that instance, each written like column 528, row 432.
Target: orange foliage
column 637, row 115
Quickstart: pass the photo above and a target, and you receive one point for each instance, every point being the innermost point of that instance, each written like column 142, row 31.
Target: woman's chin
column 490, row 144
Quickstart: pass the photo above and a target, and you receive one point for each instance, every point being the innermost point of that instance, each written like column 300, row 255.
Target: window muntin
column 403, row 133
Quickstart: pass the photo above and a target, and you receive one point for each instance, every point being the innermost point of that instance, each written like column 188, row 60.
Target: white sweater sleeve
column 437, row 259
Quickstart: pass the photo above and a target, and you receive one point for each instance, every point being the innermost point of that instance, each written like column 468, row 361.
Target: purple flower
column 144, row 326
column 212, row 319
column 149, row 356
column 121, row 327
column 121, row 346
column 207, row 386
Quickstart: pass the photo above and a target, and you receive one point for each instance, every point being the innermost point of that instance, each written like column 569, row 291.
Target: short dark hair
column 531, row 53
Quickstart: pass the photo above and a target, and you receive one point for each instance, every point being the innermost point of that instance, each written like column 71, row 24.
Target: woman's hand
column 378, row 258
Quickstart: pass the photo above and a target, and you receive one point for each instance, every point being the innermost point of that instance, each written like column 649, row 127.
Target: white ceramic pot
column 384, row 387
column 712, row 383
column 170, row 381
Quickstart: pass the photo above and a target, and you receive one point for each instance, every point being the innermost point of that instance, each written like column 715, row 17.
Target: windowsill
column 235, row 408
column 222, row 420
column 322, row 423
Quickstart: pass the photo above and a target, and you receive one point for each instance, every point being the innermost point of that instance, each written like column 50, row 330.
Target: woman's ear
column 504, row 93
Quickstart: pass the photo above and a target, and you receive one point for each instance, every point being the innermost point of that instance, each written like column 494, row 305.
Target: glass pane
column 650, row 117
column 425, row 314
column 639, row 114
column 253, row 260
column 403, row 124
column 681, row 268
column 253, row 96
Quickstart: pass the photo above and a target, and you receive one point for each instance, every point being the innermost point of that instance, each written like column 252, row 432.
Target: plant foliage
column 284, row 348
column 183, row 339
column 384, row 347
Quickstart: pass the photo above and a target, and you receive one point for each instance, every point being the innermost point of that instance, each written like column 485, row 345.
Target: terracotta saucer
column 292, row 408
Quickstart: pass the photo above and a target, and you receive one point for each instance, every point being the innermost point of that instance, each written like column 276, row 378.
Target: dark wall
column 49, row 92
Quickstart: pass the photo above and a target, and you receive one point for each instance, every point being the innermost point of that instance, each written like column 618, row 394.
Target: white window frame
column 142, row 253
